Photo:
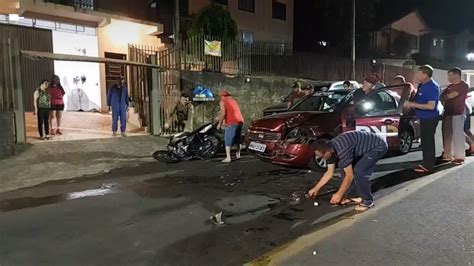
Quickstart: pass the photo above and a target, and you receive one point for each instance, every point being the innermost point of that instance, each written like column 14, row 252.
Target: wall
column 115, row 37
column 32, row 71
column 79, row 95
column 6, row 134
column 260, row 23
column 253, row 96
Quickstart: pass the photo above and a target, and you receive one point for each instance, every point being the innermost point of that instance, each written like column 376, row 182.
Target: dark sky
column 330, row 20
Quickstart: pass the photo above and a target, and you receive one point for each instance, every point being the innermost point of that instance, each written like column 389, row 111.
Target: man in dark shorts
column 343, row 151
column 57, row 93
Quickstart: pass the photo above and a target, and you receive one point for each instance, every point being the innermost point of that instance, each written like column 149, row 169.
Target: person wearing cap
column 400, row 80
column 427, row 111
column 230, row 115
column 296, row 94
column 367, row 87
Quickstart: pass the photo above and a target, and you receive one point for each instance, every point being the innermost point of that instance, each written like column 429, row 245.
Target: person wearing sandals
column 427, row 111
column 42, row 105
column 357, row 152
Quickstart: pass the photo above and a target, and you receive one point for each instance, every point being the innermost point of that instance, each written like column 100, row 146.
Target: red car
column 285, row 138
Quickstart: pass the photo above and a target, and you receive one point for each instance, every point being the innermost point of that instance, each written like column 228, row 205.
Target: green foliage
column 214, row 20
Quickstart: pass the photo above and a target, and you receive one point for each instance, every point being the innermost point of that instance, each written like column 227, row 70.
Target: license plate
column 254, row 146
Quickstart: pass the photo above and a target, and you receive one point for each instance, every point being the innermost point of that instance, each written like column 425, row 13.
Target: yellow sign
column 212, row 48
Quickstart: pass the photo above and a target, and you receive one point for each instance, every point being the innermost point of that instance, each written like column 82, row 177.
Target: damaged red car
column 286, row 138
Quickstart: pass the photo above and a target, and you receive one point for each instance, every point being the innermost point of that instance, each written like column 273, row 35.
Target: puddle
column 31, row 202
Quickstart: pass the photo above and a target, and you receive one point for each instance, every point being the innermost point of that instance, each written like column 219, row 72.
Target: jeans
column 363, row 170
column 453, row 136
column 427, row 132
column 43, row 121
column 119, row 112
column 233, row 135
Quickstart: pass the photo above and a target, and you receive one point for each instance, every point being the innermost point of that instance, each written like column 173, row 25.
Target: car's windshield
column 321, row 101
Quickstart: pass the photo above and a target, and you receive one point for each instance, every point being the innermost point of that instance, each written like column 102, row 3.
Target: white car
column 339, row 85
column 470, row 99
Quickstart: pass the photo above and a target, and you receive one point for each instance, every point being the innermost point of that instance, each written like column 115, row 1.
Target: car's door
column 379, row 114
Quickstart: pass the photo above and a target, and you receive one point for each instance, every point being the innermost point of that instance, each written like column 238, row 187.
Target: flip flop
column 363, row 207
column 421, row 169
column 351, row 201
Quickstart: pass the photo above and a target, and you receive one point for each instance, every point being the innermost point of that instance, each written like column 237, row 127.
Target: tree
column 214, row 20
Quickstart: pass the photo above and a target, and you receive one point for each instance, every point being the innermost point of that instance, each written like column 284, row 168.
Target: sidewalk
column 47, row 161
column 429, row 222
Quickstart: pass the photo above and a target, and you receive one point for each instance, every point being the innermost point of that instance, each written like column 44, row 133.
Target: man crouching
column 343, row 150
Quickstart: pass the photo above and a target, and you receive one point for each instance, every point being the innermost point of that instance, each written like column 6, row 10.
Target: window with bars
column 247, row 5
column 278, row 10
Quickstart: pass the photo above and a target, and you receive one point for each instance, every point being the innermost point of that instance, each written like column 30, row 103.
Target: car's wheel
column 405, row 139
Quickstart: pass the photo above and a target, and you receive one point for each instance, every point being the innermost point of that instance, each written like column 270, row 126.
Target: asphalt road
column 158, row 214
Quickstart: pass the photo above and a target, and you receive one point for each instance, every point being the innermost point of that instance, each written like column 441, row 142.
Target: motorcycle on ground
column 201, row 144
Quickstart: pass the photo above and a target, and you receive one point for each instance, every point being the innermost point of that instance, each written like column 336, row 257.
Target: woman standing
column 57, row 104
column 42, row 106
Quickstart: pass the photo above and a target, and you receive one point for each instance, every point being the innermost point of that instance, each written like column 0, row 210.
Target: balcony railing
column 80, row 4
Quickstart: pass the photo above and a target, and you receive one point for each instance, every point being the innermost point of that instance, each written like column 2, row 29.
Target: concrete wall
column 6, row 134
column 260, row 23
column 253, row 96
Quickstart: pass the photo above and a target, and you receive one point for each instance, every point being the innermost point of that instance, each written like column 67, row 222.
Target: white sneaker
column 124, row 134
column 114, row 134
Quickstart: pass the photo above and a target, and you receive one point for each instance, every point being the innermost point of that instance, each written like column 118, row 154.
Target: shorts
column 233, row 135
column 57, row 107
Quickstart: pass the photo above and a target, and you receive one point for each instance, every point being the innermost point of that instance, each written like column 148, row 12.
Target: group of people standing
column 48, row 102
column 455, row 118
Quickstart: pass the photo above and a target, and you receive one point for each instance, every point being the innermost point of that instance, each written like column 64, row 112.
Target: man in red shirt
column 453, row 99
column 231, row 115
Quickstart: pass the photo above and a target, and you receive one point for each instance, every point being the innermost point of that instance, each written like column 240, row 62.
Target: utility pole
column 353, row 39
column 177, row 43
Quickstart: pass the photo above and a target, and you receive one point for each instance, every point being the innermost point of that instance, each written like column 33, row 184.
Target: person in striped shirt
column 357, row 152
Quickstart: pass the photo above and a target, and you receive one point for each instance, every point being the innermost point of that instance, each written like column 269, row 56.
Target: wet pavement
column 158, row 214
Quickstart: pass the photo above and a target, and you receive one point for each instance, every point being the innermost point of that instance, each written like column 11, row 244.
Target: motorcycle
column 201, row 144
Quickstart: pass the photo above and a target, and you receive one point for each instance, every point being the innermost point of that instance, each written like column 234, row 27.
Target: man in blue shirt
column 426, row 110
column 117, row 99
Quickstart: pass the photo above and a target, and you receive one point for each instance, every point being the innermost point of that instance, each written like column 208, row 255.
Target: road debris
column 316, row 204
column 217, row 219
column 315, row 253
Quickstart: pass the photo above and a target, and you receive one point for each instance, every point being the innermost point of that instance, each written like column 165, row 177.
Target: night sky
column 330, row 20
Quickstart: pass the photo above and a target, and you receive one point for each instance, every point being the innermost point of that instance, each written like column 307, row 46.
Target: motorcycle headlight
column 296, row 133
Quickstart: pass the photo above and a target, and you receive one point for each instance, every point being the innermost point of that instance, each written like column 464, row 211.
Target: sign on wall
column 212, row 48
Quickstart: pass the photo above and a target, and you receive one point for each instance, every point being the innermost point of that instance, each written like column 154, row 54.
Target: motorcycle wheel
column 211, row 145
column 165, row 156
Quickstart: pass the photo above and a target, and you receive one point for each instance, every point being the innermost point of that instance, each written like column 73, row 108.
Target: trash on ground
column 315, row 253
column 316, row 204
column 297, row 197
column 217, row 219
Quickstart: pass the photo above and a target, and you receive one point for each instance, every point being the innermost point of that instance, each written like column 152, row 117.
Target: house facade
column 257, row 20
column 96, row 28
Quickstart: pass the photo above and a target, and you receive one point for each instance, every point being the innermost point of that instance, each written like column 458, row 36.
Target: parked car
column 470, row 99
column 328, row 86
column 285, row 138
